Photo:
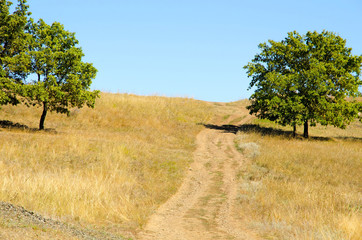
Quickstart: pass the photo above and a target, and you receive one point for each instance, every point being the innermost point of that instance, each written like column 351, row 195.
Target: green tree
column 13, row 47
column 62, row 79
column 304, row 80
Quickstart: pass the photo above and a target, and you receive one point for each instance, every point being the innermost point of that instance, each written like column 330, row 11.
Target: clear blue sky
column 190, row 48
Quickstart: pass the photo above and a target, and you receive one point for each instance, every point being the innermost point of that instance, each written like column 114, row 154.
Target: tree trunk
column 294, row 130
column 43, row 115
column 305, row 134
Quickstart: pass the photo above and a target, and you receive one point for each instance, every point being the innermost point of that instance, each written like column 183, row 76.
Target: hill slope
column 110, row 166
column 104, row 172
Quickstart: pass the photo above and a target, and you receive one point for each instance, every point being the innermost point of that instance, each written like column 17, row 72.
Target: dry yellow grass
column 112, row 165
column 304, row 189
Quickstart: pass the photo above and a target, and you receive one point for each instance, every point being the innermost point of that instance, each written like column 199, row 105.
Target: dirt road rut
column 203, row 206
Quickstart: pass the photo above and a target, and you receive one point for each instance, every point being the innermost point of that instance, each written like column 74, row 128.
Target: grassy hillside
column 112, row 166
column 302, row 189
column 109, row 166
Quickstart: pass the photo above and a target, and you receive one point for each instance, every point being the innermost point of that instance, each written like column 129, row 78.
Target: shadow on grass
column 6, row 124
column 269, row 131
column 250, row 128
column 10, row 124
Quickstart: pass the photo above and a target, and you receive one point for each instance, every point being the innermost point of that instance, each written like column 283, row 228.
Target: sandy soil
column 203, row 206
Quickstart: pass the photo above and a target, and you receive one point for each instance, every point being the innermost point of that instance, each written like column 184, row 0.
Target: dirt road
column 203, row 206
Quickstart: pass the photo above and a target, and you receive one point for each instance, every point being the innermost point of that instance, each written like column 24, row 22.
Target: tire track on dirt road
column 202, row 208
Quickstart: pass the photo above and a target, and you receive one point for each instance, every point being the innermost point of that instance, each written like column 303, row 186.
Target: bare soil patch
column 203, row 207
column 19, row 223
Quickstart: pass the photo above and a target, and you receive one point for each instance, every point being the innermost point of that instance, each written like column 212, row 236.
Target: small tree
column 13, row 47
column 62, row 79
column 306, row 80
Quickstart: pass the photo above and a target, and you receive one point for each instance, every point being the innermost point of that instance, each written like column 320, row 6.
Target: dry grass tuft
column 110, row 165
column 249, row 149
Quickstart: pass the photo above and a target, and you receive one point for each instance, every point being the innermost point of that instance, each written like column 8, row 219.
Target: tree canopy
column 62, row 78
column 13, row 46
column 305, row 80
column 41, row 64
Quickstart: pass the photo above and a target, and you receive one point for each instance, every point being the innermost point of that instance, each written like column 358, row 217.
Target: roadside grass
column 302, row 189
column 108, row 166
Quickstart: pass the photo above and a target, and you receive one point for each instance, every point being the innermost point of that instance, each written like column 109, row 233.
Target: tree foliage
column 62, row 78
column 41, row 64
column 306, row 79
column 13, row 46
